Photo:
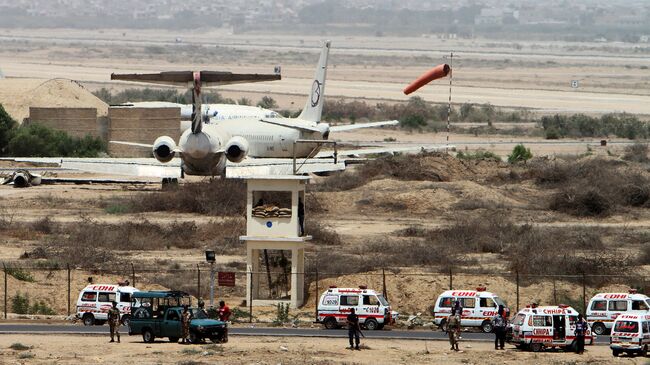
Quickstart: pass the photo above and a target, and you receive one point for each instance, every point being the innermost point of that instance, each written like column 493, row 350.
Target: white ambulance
column 536, row 328
column 372, row 308
column 603, row 308
column 630, row 334
column 96, row 299
column 479, row 306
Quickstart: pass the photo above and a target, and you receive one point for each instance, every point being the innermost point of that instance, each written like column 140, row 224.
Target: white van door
column 469, row 316
column 347, row 302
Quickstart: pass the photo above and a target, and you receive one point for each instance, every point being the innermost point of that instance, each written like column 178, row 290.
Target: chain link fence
column 54, row 290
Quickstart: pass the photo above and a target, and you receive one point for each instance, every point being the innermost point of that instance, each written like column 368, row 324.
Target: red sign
column 226, row 278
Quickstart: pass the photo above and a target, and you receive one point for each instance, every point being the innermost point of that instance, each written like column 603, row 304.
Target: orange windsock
column 433, row 74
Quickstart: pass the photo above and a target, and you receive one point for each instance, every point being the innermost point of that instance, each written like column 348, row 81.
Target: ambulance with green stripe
column 479, row 306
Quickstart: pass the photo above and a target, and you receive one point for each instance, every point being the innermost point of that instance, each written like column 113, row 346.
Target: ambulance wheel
column 599, row 328
column 536, row 347
column 644, row 352
column 616, row 352
column 330, row 323
column 88, row 319
column 147, row 336
column 173, row 339
column 371, row 324
column 487, row 327
column 126, row 319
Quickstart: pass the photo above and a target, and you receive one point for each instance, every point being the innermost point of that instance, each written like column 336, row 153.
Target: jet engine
column 22, row 179
column 236, row 149
column 164, row 149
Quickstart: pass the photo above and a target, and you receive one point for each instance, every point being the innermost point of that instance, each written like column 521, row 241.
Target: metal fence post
column 517, row 280
column 5, row 270
column 316, row 296
column 584, row 293
column 69, row 284
column 383, row 275
column 133, row 274
column 451, row 280
column 198, row 281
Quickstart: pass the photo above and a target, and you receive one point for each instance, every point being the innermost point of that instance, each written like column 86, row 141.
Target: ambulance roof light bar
column 333, row 286
column 481, row 288
column 363, row 287
column 563, row 306
column 632, row 291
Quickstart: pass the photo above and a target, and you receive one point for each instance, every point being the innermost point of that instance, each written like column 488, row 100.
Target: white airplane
column 240, row 144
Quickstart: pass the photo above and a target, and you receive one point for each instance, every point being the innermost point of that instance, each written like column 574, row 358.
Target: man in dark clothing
column 499, row 322
column 301, row 216
column 580, row 332
column 353, row 329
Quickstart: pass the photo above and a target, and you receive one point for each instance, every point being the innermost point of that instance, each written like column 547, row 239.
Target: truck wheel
column 616, row 352
column 443, row 325
column 644, row 352
column 126, row 319
column 88, row 319
column 147, row 336
column 371, row 324
column 173, row 339
column 330, row 323
column 536, row 347
column 487, row 326
column 599, row 328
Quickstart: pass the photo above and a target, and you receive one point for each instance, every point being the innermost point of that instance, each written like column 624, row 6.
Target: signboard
column 226, row 278
column 575, row 84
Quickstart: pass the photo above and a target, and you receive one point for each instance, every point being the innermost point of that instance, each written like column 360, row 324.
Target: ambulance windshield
column 382, row 300
column 519, row 319
column 499, row 301
column 627, row 326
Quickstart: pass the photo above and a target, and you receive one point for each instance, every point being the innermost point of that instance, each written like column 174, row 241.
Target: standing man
column 224, row 312
column 301, row 216
column 499, row 322
column 114, row 322
column 453, row 329
column 353, row 329
column 186, row 317
column 580, row 332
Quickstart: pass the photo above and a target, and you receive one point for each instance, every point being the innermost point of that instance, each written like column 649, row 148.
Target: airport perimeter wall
column 140, row 125
column 77, row 122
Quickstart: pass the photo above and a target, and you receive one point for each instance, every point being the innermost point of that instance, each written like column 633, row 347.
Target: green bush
column 580, row 125
column 267, row 102
column 520, row 153
column 17, row 346
column 148, row 94
column 20, row 274
column 478, row 155
column 281, row 314
column 20, row 304
column 36, row 140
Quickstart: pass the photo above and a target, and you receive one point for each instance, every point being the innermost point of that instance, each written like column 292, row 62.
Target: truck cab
column 158, row 315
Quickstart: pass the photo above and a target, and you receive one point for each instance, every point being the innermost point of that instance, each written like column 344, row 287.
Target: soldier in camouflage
column 114, row 322
column 186, row 317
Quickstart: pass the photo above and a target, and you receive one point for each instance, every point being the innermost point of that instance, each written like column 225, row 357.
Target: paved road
column 259, row 331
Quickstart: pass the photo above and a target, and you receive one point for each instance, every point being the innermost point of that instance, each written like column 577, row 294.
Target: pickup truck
column 168, row 324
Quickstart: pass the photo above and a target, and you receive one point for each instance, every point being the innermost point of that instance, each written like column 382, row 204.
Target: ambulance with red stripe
column 372, row 308
column 631, row 334
column 479, row 306
column 603, row 308
column 536, row 328
column 96, row 299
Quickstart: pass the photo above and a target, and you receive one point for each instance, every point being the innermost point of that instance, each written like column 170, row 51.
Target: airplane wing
column 349, row 127
column 281, row 166
column 140, row 167
column 208, row 78
column 284, row 123
column 383, row 150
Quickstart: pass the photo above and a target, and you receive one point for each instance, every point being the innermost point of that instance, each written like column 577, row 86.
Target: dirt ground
column 67, row 349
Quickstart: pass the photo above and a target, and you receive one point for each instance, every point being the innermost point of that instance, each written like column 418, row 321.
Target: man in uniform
column 453, row 329
column 353, row 329
column 186, row 317
column 580, row 332
column 114, row 322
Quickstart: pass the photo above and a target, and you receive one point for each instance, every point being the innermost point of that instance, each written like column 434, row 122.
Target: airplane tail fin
column 314, row 105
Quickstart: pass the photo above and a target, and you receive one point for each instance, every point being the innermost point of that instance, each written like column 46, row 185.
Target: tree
column 36, row 140
column 7, row 124
column 520, row 153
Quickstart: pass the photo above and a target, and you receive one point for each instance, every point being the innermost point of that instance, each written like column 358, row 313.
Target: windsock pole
column 451, row 76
